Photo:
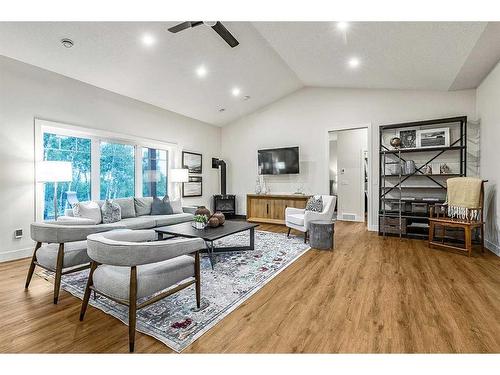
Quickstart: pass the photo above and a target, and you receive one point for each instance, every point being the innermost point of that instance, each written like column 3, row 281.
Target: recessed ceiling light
column 68, row 43
column 353, row 62
column 236, row 91
column 342, row 25
column 201, row 71
column 148, row 40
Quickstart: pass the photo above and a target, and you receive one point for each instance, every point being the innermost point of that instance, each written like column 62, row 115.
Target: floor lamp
column 178, row 176
column 54, row 171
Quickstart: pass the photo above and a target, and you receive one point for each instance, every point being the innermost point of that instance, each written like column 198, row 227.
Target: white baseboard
column 495, row 249
column 16, row 254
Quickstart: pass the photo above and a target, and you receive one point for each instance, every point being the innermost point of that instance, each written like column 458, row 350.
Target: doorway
column 348, row 172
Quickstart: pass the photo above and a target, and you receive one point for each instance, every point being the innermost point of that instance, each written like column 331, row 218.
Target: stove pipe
column 216, row 163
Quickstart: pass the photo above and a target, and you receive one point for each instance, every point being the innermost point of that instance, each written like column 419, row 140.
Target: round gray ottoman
column 321, row 234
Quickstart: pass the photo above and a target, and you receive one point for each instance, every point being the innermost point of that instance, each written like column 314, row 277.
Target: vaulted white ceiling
column 272, row 60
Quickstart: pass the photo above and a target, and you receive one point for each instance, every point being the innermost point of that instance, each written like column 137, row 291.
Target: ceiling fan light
column 210, row 23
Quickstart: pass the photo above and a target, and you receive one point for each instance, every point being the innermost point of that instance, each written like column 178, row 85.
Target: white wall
column 27, row 92
column 351, row 198
column 304, row 119
column 488, row 110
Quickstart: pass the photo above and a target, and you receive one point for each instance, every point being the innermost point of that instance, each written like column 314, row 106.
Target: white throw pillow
column 176, row 206
column 88, row 210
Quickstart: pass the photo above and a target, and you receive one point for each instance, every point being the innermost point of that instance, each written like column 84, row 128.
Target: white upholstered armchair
column 299, row 218
column 128, row 265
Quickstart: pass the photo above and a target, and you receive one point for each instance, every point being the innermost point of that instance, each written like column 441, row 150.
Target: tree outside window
column 77, row 151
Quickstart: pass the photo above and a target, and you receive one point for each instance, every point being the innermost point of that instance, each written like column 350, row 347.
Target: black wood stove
column 225, row 203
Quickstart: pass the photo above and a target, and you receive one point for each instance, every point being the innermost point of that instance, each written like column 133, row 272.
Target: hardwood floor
column 370, row 295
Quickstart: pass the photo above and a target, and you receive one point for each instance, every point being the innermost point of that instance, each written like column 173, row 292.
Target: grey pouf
column 321, row 234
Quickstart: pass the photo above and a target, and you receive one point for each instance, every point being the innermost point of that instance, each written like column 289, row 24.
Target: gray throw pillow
column 143, row 206
column 315, row 204
column 127, row 207
column 111, row 212
column 161, row 206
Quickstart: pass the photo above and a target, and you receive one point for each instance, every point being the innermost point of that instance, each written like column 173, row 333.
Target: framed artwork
column 192, row 188
column 433, row 138
column 192, row 161
column 408, row 138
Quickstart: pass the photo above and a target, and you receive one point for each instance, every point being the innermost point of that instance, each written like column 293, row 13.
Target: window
column 77, row 151
column 105, row 165
column 117, row 174
column 154, row 172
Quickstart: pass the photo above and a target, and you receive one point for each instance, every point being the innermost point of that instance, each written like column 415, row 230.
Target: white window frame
column 97, row 136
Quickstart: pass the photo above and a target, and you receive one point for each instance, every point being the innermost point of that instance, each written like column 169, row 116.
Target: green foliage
column 117, row 170
column 77, row 151
column 200, row 219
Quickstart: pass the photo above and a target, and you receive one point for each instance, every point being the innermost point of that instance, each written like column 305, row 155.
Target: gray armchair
column 61, row 247
column 129, row 265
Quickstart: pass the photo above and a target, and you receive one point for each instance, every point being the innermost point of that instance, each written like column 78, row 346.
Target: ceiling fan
column 216, row 25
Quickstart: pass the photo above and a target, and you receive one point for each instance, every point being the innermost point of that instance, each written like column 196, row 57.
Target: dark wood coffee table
column 209, row 235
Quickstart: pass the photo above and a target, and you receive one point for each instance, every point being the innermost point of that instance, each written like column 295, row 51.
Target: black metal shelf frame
column 458, row 146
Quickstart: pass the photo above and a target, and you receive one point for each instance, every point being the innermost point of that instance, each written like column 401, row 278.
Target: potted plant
column 199, row 221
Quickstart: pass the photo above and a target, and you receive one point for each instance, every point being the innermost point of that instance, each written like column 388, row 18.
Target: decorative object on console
column 258, row 187
column 315, row 204
column 395, row 142
column 192, row 161
column 54, row 171
column 179, row 175
column 202, row 210
column 433, row 138
column 193, row 188
column 428, row 169
column 111, row 212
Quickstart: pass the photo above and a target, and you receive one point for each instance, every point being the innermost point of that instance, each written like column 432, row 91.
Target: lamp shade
column 54, row 171
column 179, row 175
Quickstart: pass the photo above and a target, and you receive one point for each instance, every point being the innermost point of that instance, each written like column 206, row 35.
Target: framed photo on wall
column 193, row 188
column 433, row 138
column 192, row 161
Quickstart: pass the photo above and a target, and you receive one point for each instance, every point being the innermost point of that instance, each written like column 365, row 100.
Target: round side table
column 321, row 234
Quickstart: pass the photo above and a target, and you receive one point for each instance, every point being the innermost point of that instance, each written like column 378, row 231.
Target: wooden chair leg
column 288, row 234
column 197, row 274
column 59, row 269
column 468, row 239
column 132, row 308
column 32, row 265
column 86, row 296
column 305, row 237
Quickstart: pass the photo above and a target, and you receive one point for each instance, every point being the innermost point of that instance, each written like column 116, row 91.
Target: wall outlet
column 18, row 233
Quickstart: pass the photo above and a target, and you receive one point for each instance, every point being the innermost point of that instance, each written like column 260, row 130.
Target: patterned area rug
column 175, row 320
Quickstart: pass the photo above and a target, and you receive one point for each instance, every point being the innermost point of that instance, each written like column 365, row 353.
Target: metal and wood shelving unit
column 394, row 189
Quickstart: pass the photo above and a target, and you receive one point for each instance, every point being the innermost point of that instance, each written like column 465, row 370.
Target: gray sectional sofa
column 51, row 237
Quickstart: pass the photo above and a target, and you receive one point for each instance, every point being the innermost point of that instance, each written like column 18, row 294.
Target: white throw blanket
column 463, row 198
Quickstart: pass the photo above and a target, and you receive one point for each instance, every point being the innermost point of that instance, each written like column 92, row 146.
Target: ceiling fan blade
column 184, row 26
column 225, row 34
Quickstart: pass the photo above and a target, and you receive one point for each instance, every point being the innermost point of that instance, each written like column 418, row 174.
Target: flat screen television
column 279, row 161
